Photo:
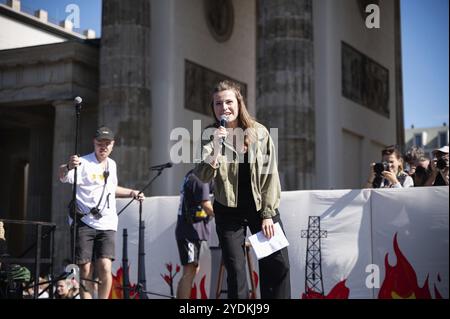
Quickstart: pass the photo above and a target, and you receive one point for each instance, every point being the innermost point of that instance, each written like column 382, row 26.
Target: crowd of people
column 413, row 169
column 16, row 281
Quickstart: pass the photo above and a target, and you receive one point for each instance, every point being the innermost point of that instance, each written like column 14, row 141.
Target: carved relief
column 219, row 18
column 365, row 81
column 199, row 84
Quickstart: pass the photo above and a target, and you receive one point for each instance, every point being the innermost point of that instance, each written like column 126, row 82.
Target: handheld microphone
column 223, row 123
column 223, row 120
column 78, row 101
column 160, row 167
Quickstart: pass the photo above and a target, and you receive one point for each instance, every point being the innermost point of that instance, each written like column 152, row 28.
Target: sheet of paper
column 264, row 247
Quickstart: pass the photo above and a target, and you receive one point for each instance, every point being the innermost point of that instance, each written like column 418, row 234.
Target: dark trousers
column 274, row 272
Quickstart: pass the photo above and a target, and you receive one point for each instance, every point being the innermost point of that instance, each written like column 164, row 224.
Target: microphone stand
column 73, row 212
column 142, row 293
column 141, row 284
column 74, row 189
column 141, row 191
column 125, row 276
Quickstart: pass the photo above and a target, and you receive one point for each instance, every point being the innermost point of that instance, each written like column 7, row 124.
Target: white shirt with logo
column 90, row 182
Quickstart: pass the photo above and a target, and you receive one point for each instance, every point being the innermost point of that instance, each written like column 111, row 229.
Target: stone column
column 63, row 147
column 125, row 99
column 39, row 183
column 285, row 86
column 399, row 116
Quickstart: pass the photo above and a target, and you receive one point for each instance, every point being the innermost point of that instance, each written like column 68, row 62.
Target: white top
column 90, row 181
column 404, row 181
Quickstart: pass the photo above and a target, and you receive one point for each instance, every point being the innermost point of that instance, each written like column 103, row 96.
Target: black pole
column 125, row 277
column 78, row 101
column 52, row 260
column 142, row 282
column 37, row 261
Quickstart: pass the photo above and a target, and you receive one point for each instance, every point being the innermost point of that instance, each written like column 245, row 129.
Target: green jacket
column 266, row 188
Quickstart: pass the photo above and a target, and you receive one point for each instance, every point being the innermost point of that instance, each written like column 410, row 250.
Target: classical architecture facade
column 316, row 72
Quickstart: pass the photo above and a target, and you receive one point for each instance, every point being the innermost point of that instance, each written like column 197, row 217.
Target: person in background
column 13, row 278
column 66, row 289
column 389, row 173
column 193, row 228
column 439, row 167
column 95, row 209
column 418, row 165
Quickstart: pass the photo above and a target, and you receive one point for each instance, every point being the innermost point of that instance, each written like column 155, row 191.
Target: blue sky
column 425, row 52
column 90, row 11
column 425, row 62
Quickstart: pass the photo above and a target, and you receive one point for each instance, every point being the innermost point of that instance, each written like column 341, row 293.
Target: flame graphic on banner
column 437, row 294
column 203, row 294
column 400, row 281
column 339, row 291
column 117, row 288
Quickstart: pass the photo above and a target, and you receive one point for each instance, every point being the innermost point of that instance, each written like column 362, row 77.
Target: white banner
column 416, row 223
column 390, row 243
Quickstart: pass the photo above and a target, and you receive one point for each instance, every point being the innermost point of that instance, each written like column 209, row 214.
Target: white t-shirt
column 90, row 181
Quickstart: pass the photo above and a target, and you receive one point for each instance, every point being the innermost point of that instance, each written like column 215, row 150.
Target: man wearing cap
column 97, row 189
column 439, row 168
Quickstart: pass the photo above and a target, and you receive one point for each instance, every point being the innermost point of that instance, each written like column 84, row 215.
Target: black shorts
column 189, row 251
column 93, row 243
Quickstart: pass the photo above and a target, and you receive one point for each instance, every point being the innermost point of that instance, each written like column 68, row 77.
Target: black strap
column 105, row 176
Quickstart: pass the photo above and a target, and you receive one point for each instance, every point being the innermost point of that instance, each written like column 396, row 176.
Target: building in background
column 43, row 66
column 429, row 138
column 312, row 69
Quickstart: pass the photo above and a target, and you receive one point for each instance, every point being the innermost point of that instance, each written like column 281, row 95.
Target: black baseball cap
column 104, row 133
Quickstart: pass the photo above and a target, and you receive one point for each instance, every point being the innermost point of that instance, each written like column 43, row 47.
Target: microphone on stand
column 78, row 101
column 160, row 167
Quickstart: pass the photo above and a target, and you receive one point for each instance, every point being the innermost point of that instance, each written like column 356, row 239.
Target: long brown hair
column 393, row 149
column 245, row 120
